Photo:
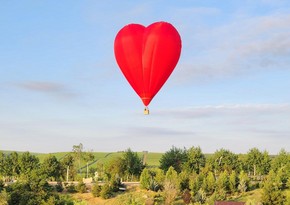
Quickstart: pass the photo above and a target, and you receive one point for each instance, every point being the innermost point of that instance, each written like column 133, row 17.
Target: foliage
column 186, row 196
column 233, row 182
column 243, row 182
column 171, row 185
column 51, row 168
column 1, row 185
column 81, row 187
column 145, row 179
column 106, row 191
column 170, row 192
column 96, row 190
column 195, row 160
column 171, row 176
column 257, row 162
column 201, row 180
column 4, row 198
column 271, row 192
column 59, row 186
column 132, row 163
column 281, row 160
column 152, row 179
column 175, row 158
column 224, row 160
column 115, row 167
column 183, row 178
column 70, row 188
column 67, row 167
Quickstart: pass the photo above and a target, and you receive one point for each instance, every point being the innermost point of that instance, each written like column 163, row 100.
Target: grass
column 100, row 157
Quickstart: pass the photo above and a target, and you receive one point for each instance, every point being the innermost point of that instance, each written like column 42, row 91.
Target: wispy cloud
column 157, row 131
column 238, row 47
column 227, row 110
column 49, row 88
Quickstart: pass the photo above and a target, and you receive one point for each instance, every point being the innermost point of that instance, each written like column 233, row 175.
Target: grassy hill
column 100, row 157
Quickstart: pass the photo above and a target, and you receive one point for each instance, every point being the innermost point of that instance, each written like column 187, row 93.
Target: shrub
column 71, row 188
column 81, row 187
column 186, row 196
column 59, row 187
column 96, row 190
column 1, row 185
column 106, row 191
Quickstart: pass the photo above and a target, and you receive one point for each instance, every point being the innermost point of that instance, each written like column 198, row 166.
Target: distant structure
column 145, row 153
column 228, row 203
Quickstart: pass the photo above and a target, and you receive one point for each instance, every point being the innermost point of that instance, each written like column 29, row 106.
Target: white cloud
column 242, row 46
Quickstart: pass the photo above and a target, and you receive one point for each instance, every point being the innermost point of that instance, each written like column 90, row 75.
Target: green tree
column 222, row 182
column 145, row 179
column 172, row 176
column 171, row 186
column 196, row 181
column 96, row 190
column 115, row 167
column 175, row 157
column 224, row 160
column 106, row 191
column 27, row 163
column 81, row 187
column 183, row 178
column 78, row 152
column 68, row 170
column 132, row 164
column 159, row 177
column 257, row 162
column 2, row 163
column 272, row 195
column 88, row 157
column 51, row 168
column 233, row 182
column 14, row 160
column 282, row 161
column 195, row 160
column 243, row 182
column 4, row 198
column 210, row 183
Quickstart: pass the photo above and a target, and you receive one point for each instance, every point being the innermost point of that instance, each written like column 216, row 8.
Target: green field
column 101, row 157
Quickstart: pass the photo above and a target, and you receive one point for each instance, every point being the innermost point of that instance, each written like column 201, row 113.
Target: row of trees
column 30, row 177
column 197, row 177
column 16, row 166
column 222, row 176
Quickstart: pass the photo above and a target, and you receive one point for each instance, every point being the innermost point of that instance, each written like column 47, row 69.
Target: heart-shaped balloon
column 147, row 56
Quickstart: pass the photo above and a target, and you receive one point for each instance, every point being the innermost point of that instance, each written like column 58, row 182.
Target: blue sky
column 60, row 84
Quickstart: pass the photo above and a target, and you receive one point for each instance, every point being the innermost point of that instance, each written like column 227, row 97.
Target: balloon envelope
column 147, row 56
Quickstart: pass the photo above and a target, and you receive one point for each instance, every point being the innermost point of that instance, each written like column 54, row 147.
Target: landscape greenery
column 178, row 176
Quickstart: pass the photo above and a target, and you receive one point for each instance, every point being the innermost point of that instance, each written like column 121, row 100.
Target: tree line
column 189, row 174
column 221, row 176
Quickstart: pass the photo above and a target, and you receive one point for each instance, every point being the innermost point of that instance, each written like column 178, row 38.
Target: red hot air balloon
column 147, row 56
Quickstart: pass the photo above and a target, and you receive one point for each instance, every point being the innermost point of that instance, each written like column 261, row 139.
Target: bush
column 186, row 196
column 1, row 185
column 71, row 188
column 96, row 190
column 106, row 191
column 81, row 187
column 59, row 187
column 3, row 198
column 115, row 184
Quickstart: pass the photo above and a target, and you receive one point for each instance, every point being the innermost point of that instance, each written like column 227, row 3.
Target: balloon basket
column 146, row 111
